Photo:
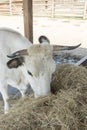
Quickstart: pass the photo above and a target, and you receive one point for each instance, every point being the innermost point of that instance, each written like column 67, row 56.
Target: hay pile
column 66, row 109
column 69, row 76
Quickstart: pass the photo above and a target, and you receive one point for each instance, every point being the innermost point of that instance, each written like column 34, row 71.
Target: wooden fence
column 11, row 8
column 55, row 8
column 48, row 8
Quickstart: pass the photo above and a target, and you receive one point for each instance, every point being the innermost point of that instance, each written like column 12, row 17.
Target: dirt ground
column 59, row 31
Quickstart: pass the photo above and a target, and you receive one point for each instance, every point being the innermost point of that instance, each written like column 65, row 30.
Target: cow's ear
column 43, row 40
column 15, row 63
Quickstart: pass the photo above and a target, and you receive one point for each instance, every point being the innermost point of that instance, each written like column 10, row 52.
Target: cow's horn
column 18, row 53
column 59, row 48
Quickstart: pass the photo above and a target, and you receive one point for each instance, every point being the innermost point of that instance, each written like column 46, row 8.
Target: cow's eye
column 30, row 73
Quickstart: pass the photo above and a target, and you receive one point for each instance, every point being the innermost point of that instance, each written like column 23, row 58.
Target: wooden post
column 10, row 6
column 28, row 19
column 85, row 8
column 53, row 8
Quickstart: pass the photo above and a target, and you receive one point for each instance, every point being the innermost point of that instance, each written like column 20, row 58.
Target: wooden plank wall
column 4, row 8
column 50, row 8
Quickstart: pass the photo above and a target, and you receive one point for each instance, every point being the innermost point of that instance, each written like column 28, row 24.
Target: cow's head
column 39, row 65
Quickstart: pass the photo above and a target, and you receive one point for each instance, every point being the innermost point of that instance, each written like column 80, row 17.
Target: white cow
column 11, row 41
column 34, row 65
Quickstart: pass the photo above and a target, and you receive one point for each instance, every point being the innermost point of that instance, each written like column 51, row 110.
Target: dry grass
column 69, row 76
column 66, row 109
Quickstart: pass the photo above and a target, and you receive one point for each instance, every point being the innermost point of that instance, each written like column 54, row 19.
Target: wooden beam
column 10, row 6
column 28, row 19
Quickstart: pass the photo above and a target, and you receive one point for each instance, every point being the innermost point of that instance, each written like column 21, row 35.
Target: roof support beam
column 28, row 19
